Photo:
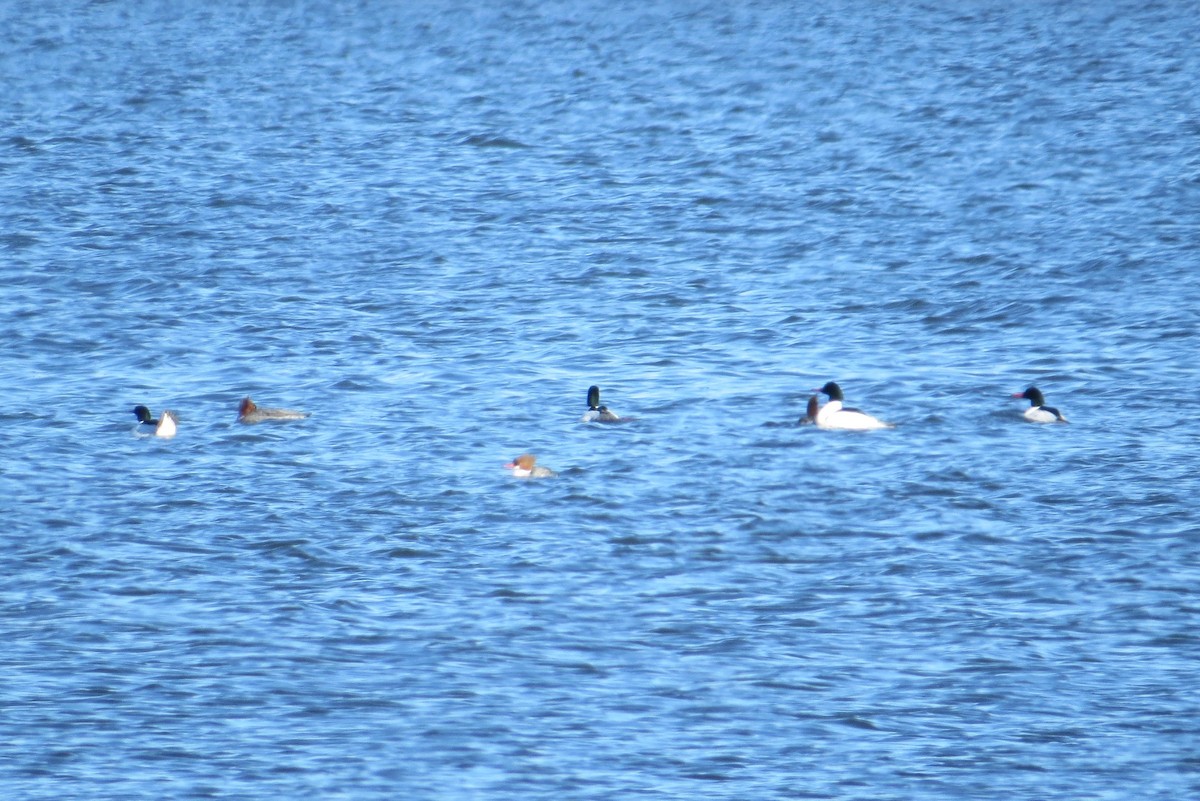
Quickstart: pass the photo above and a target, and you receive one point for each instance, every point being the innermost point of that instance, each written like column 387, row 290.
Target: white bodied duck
column 147, row 426
column 835, row 415
column 1038, row 411
column 597, row 413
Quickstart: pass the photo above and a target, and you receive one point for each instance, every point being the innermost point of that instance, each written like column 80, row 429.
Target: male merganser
column 1038, row 411
column 834, row 415
column 149, row 427
column 597, row 413
column 249, row 412
column 810, row 413
column 524, row 467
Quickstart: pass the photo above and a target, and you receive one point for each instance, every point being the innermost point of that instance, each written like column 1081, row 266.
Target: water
column 434, row 225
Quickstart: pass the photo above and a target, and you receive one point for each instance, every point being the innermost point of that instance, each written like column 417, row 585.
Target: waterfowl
column 524, row 466
column 810, row 412
column 249, row 412
column 149, row 427
column 597, row 413
column 835, row 415
column 1038, row 411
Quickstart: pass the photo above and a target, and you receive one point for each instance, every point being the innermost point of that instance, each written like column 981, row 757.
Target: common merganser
column 524, row 467
column 834, row 415
column 249, row 412
column 597, row 413
column 149, row 427
column 1038, row 411
column 810, row 413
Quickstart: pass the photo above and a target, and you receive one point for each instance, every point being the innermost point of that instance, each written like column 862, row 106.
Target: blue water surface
column 435, row 224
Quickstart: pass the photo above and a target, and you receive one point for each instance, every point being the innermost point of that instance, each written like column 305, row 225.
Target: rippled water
column 433, row 225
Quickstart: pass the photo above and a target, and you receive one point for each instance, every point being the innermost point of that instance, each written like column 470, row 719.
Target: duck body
column 148, row 426
column 837, row 416
column 1038, row 411
column 249, row 413
column 525, row 466
column 597, row 413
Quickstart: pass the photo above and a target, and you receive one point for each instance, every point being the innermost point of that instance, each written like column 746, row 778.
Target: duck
column 835, row 415
column 1038, row 411
column 525, row 466
column 249, row 412
column 810, row 412
column 597, row 413
column 147, row 426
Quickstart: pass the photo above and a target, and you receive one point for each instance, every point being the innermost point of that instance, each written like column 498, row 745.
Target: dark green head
column 832, row 390
column 1033, row 395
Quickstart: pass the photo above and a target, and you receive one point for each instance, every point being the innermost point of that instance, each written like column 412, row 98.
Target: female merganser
column 249, row 412
column 810, row 413
column 597, row 413
column 149, row 427
column 834, row 415
column 1038, row 411
column 524, row 467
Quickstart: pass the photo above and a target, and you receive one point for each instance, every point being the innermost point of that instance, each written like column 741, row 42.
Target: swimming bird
column 835, row 415
column 249, row 412
column 149, row 427
column 524, row 467
column 1038, row 411
column 810, row 412
column 597, row 413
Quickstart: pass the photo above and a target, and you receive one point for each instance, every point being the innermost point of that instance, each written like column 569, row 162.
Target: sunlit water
column 434, row 225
